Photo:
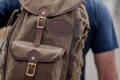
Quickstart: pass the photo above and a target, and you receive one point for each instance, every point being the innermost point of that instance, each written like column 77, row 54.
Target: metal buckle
column 31, row 67
column 41, row 19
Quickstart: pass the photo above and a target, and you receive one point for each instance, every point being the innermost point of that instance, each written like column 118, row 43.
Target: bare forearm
column 108, row 76
column 106, row 66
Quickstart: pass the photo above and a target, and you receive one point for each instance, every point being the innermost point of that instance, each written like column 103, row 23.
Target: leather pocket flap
column 21, row 49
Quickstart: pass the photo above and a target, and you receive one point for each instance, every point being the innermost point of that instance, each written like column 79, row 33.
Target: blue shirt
column 101, row 37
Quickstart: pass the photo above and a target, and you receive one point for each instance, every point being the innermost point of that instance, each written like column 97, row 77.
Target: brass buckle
column 31, row 67
column 41, row 19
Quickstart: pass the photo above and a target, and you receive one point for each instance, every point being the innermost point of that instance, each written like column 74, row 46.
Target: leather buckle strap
column 41, row 22
column 33, row 59
column 31, row 67
column 39, row 30
column 44, row 12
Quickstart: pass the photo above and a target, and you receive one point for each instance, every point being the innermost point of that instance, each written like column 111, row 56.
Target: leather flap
column 56, row 7
column 21, row 49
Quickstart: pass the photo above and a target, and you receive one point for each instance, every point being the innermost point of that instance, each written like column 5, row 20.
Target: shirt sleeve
column 104, row 33
column 3, row 9
column 6, row 9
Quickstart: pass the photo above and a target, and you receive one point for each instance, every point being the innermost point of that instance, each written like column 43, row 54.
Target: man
column 101, row 38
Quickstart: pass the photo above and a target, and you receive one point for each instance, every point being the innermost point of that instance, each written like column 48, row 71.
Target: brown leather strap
column 33, row 59
column 44, row 12
column 38, row 37
column 29, row 78
column 39, row 30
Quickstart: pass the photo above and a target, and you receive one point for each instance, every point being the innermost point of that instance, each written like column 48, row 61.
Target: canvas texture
column 46, row 41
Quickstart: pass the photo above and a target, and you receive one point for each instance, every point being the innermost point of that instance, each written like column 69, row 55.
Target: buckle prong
column 31, row 67
column 41, row 22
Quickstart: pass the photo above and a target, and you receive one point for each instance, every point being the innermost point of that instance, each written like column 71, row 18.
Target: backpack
column 46, row 41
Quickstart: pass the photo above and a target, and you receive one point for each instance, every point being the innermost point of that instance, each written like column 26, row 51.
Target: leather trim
column 21, row 49
column 29, row 78
column 33, row 56
column 38, row 37
column 40, row 60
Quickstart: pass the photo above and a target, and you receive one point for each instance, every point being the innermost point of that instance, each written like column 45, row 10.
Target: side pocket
column 45, row 61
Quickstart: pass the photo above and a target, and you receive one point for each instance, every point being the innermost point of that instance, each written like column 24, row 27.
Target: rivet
column 43, row 12
column 33, row 58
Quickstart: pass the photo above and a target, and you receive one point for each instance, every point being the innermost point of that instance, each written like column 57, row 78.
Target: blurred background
column 114, row 8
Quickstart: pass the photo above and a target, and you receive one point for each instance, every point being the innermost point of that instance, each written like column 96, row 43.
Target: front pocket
column 44, row 62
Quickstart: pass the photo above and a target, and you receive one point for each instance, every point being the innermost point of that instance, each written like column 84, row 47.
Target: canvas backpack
column 46, row 41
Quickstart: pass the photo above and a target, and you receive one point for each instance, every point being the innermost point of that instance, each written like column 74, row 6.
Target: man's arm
column 104, row 43
column 106, row 65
